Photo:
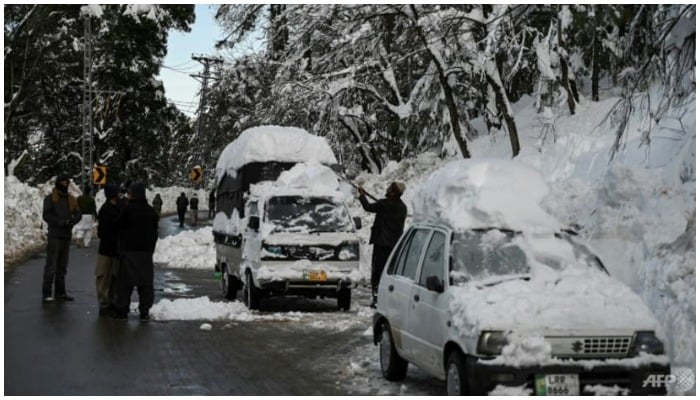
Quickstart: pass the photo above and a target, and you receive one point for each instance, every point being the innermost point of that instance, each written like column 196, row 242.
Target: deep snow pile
column 187, row 250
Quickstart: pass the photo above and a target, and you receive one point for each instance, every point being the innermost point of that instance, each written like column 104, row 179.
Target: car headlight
column 646, row 342
column 349, row 252
column 491, row 343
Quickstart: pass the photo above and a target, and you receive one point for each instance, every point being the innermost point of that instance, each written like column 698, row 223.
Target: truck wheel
column 393, row 366
column 344, row 297
column 252, row 298
column 456, row 374
column 228, row 285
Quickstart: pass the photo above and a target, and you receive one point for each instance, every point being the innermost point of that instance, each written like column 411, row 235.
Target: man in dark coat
column 386, row 230
column 83, row 231
column 107, row 265
column 61, row 212
column 182, row 203
column 157, row 204
column 212, row 203
column 138, row 233
column 194, row 208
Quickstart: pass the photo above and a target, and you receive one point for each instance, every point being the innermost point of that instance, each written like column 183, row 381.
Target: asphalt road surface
column 66, row 349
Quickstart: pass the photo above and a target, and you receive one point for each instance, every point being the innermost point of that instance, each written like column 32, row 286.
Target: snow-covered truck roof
column 273, row 143
column 482, row 193
column 309, row 179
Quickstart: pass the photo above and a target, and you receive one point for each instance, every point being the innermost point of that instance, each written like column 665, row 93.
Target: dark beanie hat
column 138, row 191
column 111, row 190
column 62, row 178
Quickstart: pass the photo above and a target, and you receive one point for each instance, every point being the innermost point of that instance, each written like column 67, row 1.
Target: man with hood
column 138, row 233
column 182, row 203
column 386, row 230
column 83, row 231
column 107, row 265
column 61, row 213
column 194, row 208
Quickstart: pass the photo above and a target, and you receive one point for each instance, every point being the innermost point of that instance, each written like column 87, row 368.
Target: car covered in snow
column 487, row 292
column 282, row 227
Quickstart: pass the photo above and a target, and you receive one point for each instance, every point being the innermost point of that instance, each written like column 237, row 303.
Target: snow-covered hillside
column 637, row 211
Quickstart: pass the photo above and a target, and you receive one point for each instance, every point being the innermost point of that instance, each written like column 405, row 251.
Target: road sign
column 99, row 175
column 196, row 174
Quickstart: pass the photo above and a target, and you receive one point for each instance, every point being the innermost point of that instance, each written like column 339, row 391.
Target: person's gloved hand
column 362, row 191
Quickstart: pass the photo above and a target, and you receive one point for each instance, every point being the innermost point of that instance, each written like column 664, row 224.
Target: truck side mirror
column 434, row 284
column 358, row 222
column 254, row 223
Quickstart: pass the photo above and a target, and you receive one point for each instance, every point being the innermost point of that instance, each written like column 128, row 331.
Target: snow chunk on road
column 273, row 143
column 484, row 193
column 501, row 390
column 205, row 327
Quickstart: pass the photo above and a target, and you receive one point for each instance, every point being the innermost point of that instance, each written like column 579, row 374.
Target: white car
column 487, row 307
column 299, row 245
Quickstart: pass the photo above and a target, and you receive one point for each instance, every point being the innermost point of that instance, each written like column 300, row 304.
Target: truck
column 281, row 226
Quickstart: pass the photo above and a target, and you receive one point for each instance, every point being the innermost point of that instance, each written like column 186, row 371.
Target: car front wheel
column 344, row 297
column 252, row 298
column 393, row 366
column 456, row 375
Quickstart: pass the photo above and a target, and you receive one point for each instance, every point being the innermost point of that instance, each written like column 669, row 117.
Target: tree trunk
column 595, row 75
column 566, row 84
column 504, row 110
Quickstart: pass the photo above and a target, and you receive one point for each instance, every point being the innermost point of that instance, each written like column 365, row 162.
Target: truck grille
column 590, row 346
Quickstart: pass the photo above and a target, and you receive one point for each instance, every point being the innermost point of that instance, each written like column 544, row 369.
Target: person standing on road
column 61, row 213
column 386, row 230
column 157, row 204
column 138, row 233
column 182, row 203
column 107, row 266
column 83, row 231
column 194, row 208
column 212, row 203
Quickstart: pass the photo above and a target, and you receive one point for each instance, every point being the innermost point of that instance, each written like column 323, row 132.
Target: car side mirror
column 254, row 223
column 434, row 284
column 358, row 222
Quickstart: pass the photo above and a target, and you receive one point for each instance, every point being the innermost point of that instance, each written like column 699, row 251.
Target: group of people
column 182, row 203
column 128, row 231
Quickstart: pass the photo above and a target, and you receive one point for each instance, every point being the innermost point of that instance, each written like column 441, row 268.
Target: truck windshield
column 307, row 214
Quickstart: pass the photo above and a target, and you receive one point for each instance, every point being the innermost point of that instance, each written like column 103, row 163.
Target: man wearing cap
column 138, row 233
column 107, row 265
column 61, row 213
column 386, row 230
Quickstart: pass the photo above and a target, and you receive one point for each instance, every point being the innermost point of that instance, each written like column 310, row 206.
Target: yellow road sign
column 196, row 174
column 99, row 175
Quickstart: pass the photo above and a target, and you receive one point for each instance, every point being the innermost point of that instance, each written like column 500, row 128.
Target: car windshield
column 308, row 214
column 499, row 254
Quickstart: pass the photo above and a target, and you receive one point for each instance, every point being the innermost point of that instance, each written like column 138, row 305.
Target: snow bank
column 309, row 178
column 273, row 143
column 484, row 193
column 187, row 250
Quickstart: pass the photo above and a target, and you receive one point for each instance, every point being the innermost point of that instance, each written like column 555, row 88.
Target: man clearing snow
column 386, row 230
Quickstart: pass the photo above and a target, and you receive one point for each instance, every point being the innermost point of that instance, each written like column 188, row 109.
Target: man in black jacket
column 61, row 212
column 386, row 230
column 182, row 203
column 107, row 265
column 138, row 233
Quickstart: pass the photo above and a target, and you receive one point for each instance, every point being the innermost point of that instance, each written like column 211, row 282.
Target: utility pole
column 87, row 144
column 207, row 62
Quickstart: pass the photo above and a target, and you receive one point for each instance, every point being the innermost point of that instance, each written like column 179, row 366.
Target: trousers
column 56, row 267
column 106, row 271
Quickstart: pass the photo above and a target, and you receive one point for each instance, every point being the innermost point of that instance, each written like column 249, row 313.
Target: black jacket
column 107, row 230
column 138, row 227
column 388, row 224
column 194, row 203
column 61, row 212
column 182, row 203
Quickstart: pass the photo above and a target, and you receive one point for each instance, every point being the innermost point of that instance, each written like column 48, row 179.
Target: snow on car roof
column 480, row 193
column 308, row 178
column 273, row 143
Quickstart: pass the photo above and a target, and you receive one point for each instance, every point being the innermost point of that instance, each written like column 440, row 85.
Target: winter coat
column 87, row 205
column 182, row 203
column 389, row 221
column 107, row 230
column 138, row 227
column 194, row 203
column 61, row 212
column 157, row 204
column 212, row 199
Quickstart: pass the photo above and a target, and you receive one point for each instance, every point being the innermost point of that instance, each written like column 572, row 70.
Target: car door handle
column 391, row 288
column 416, row 297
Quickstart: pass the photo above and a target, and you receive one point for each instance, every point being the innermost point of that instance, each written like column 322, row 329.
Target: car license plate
column 316, row 276
column 557, row 385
